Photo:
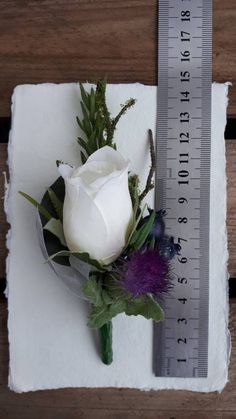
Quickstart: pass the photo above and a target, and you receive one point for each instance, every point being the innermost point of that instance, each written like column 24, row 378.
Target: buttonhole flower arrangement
column 93, row 230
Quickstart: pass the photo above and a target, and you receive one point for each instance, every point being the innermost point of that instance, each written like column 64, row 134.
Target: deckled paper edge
column 8, row 212
column 7, row 205
column 225, row 258
column 229, row 340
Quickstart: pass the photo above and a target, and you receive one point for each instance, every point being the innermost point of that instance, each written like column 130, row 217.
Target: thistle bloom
column 146, row 272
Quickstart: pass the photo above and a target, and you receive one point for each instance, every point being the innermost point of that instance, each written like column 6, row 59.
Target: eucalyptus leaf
column 55, row 227
column 146, row 307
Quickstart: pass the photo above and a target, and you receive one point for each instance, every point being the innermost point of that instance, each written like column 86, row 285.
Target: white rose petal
column 97, row 212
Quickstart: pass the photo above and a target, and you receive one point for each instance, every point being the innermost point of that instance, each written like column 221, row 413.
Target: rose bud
column 97, row 211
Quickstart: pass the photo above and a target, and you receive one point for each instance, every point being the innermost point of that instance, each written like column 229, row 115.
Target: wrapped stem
column 106, row 343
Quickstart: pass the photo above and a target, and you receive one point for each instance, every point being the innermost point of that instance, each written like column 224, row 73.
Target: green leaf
column 80, row 123
column 152, row 243
column 134, row 192
column 133, row 231
column 83, row 157
column 93, row 291
column 141, row 235
column 92, row 104
column 84, row 144
column 82, row 256
column 84, row 95
column 117, row 306
column 86, row 258
column 85, row 113
column 99, row 315
column 107, row 299
column 146, row 307
column 55, row 227
column 37, row 205
column 57, row 204
column 52, row 243
column 92, row 140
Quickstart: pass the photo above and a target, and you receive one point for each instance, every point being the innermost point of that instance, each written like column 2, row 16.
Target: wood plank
column 231, row 207
column 65, row 41
column 223, row 54
column 75, row 413
column 115, row 403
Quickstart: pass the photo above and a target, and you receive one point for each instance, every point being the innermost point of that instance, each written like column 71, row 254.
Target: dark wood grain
column 115, row 403
column 79, row 40
column 64, row 41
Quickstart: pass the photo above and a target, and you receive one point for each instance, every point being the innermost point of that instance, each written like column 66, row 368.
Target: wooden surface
column 70, row 40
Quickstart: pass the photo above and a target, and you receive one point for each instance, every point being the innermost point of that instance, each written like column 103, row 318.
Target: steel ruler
column 183, row 149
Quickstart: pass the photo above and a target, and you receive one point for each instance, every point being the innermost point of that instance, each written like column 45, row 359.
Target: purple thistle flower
column 146, row 272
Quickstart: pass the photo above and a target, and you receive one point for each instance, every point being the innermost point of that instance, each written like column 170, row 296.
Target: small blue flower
column 167, row 248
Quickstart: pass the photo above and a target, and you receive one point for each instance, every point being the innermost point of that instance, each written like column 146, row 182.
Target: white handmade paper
column 50, row 344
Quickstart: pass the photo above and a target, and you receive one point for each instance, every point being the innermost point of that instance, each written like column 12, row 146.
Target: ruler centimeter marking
column 183, row 149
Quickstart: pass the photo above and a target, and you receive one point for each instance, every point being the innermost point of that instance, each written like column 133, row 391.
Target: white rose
column 97, row 211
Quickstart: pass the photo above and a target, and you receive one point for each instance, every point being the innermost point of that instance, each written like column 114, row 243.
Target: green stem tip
column 105, row 333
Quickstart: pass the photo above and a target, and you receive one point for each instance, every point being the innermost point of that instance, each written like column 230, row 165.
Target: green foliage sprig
column 104, row 307
column 97, row 124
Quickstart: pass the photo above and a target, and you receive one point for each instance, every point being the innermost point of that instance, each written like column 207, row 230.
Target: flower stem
column 106, row 343
column 149, row 183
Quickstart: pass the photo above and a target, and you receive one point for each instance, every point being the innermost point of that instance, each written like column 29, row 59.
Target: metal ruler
column 183, row 181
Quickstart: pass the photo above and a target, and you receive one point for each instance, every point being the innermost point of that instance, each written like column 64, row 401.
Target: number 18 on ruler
column 183, row 181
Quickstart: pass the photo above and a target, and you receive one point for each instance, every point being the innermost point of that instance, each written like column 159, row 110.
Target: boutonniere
column 97, row 233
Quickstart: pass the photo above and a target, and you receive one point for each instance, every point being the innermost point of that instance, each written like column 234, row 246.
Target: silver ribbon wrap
column 72, row 276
